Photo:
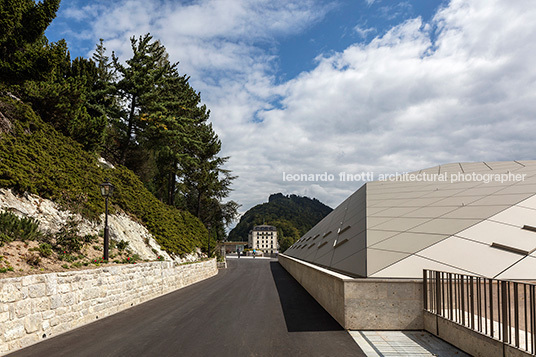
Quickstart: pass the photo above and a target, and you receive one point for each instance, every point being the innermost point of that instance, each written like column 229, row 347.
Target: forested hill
column 292, row 215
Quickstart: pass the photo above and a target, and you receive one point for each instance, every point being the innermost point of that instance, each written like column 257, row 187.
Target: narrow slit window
column 340, row 243
column 510, row 249
column 341, row 230
column 529, row 228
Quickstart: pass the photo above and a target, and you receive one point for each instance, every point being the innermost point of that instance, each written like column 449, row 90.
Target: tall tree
column 23, row 47
column 204, row 178
column 140, row 77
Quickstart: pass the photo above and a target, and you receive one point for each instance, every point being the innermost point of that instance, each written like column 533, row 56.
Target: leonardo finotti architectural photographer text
column 404, row 177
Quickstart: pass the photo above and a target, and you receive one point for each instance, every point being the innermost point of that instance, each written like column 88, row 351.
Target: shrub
column 33, row 259
column 122, row 245
column 44, row 249
column 13, row 228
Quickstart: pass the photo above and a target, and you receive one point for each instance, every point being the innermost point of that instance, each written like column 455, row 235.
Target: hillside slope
column 35, row 158
column 292, row 215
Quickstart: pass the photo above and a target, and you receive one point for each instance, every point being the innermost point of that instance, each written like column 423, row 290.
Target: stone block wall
column 36, row 307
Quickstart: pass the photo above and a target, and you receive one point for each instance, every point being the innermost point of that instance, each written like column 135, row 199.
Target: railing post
column 504, row 309
column 425, row 289
column 462, row 295
column 516, row 314
column 438, row 294
column 491, row 306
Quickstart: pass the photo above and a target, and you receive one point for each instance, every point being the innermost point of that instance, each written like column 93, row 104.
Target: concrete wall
column 40, row 306
column 472, row 342
column 361, row 304
column 383, row 304
column 326, row 287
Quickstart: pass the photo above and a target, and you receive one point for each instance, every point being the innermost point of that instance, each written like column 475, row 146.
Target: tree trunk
column 198, row 210
column 126, row 143
column 171, row 185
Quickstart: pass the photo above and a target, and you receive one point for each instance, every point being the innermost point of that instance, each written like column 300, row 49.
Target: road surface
column 252, row 308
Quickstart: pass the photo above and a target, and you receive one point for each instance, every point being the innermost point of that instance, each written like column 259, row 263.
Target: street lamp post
column 106, row 191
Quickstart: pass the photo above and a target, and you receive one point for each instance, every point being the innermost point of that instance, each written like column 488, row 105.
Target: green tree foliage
column 24, row 52
column 137, row 88
column 292, row 215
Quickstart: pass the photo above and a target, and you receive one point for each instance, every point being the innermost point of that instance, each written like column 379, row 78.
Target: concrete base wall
column 35, row 307
column 383, row 304
column 472, row 342
column 361, row 304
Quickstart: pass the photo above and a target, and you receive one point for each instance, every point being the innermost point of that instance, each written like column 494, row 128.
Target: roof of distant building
column 264, row 227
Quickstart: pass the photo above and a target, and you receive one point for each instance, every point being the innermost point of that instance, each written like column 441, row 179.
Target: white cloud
column 459, row 88
column 364, row 32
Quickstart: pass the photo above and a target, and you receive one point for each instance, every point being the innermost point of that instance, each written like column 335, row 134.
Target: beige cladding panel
column 477, row 258
column 409, row 242
column 523, row 270
column 379, row 259
column 518, row 216
column 444, row 226
column 413, row 266
column 489, row 232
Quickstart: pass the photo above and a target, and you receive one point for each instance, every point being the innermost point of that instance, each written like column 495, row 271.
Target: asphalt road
column 252, row 308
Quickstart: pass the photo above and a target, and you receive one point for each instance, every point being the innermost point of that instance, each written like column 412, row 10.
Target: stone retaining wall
column 35, row 307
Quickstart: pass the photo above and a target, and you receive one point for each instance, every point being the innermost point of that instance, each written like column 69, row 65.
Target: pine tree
column 143, row 73
column 23, row 46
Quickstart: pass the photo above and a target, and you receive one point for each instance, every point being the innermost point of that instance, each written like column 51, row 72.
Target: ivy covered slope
column 292, row 215
column 37, row 159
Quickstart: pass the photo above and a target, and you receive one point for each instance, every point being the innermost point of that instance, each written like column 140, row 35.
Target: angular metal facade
column 391, row 229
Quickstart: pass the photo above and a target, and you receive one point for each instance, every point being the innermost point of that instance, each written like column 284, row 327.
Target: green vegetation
column 292, row 215
column 14, row 228
column 142, row 116
column 35, row 158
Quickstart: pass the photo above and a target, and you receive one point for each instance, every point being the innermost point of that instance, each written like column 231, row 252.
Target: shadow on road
column 302, row 312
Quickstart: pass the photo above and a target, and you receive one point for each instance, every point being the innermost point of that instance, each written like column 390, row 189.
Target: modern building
column 233, row 247
column 264, row 238
column 470, row 218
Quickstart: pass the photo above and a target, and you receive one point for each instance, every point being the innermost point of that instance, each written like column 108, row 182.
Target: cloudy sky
column 331, row 86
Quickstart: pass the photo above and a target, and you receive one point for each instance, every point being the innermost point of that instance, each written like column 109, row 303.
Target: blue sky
column 333, row 86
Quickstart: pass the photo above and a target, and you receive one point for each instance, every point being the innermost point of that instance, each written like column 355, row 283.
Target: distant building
column 263, row 238
column 232, row 247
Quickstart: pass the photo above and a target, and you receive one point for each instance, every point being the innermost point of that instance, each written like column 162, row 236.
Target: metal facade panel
column 516, row 215
column 412, row 267
column 380, row 259
column 478, row 258
column 409, row 242
column 523, row 270
column 489, row 232
column 444, row 226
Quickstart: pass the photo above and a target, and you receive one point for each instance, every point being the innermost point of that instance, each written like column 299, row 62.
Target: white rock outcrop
column 51, row 218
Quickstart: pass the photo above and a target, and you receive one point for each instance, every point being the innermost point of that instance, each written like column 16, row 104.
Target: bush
column 122, row 245
column 44, row 249
column 13, row 228
column 67, row 239
column 33, row 259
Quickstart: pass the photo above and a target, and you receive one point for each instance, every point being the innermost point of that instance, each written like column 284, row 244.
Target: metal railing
column 501, row 309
